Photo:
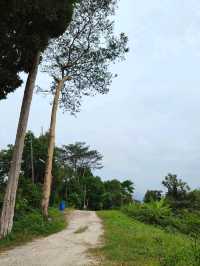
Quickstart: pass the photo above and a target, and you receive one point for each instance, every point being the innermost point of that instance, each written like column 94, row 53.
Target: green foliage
column 186, row 222
column 80, row 156
column 152, row 195
column 33, row 225
column 40, row 147
column 154, row 212
column 94, row 188
column 82, row 56
column 193, row 200
column 72, row 180
column 132, row 243
column 75, row 200
column 180, row 256
column 177, row 191
column 159, row 213
column 25, row 28
column 28, row 197
column 5, row 158
column 117, row 193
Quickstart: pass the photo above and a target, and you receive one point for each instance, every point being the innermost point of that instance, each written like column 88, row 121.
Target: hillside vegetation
column 129, row 242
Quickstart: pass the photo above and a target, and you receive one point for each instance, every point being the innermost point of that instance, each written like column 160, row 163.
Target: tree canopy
column 79, row 155
column 25, row 28
column 176, row 188
column 81, row 57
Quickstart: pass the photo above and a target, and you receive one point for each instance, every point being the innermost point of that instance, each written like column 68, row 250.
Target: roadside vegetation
column 129, row 242
column 178, row 210
column 159, row 214
column 163, row 230
column 32, row 225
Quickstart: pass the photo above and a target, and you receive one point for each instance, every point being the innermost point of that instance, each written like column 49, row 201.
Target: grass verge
column 131, row 243
column 33, row 225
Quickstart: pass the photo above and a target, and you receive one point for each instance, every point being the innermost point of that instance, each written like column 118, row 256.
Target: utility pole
column 32, row 164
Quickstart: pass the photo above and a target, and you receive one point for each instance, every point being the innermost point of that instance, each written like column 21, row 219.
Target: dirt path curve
column 66, row 248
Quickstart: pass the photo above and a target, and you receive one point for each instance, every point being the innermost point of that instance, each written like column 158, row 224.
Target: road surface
column 66, row 248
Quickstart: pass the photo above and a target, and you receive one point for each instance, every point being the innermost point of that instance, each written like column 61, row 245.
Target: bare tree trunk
column 13, row 176
column 51, row 145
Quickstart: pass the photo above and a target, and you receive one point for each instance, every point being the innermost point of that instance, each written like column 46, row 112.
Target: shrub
column 159, row 213
column 154, row 212
column 28, row 197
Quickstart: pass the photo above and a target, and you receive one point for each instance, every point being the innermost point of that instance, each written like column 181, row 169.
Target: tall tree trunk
column 7, row 214
column 51, row 145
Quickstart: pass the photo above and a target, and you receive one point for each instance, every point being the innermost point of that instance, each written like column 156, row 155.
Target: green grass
column 131, row 243
column 33, row 225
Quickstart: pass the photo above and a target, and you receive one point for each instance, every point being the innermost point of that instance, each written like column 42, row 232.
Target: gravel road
column 66, row 248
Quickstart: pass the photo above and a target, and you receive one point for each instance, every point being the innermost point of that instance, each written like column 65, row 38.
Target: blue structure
column 62, row 206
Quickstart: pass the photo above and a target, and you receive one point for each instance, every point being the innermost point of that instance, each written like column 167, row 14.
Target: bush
column 187, row 222
column 29, row 197
column 158, row 213
column 154, row 212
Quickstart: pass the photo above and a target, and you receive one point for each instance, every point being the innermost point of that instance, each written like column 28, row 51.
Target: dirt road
column 66, row 248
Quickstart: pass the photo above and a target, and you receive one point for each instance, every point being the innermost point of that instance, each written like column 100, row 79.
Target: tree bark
column 7, row 214
column 51, row 145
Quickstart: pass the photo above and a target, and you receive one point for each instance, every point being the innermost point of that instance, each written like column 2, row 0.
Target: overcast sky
column 149, row 123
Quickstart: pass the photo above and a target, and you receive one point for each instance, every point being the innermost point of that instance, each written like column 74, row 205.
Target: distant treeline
column 72, row 177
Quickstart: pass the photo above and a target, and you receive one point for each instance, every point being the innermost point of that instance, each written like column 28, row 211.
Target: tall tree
column 80, row 156
column 177, row 191
column 117, row 193
column 36, row 22
column 176, row 188
column 79, row 63
column 13, row 176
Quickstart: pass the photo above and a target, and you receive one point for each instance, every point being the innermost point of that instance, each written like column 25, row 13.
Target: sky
column 148, row 125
